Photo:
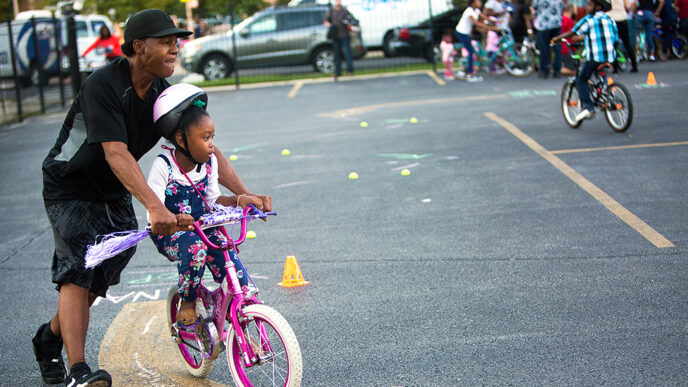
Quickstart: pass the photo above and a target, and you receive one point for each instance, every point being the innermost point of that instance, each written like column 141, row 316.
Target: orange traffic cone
column 651, row 79
column 292, row 276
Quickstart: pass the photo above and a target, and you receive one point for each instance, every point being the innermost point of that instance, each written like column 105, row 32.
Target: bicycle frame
column 229, row 296
column 505, row 43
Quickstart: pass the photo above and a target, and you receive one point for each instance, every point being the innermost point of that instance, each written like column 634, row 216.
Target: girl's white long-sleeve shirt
column 159, row 177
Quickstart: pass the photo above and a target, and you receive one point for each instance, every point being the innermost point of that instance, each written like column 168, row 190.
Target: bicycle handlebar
column 229, row 216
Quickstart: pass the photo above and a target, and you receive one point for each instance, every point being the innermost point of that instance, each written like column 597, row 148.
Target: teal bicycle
column 516, row 59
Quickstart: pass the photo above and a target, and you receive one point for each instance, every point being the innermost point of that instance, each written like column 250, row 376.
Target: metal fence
column 291, row 42
column 276, row 44
column 31, row 68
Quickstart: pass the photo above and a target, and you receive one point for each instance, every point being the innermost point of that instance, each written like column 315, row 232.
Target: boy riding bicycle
column 600, row 34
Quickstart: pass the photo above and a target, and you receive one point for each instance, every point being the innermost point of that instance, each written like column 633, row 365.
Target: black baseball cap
column 149, row 23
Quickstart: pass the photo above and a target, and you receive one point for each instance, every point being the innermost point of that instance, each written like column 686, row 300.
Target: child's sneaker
column 81, row 376
column 48, row 351
column 474, row 78
column 448, row 77
column 584, row 114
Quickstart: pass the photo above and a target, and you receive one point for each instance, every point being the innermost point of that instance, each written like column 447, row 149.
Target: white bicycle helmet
column 169, row 106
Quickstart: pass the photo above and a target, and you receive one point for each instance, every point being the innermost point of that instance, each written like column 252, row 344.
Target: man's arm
column 229, row 178
column 127, row 170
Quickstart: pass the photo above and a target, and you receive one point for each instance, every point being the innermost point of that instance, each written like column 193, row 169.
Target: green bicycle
column 517, row 60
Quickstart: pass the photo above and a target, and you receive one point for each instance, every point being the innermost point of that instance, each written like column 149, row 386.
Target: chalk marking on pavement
column 149, row 324
column 295, row 89
column 604, row 148
column 612, row 205
column 437, row 79
column 343, row 113
column 250, row 146
column 406, row 166
column 154, row 359
column 293, row 184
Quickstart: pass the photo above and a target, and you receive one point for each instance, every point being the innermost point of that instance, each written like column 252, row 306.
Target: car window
column 317, row 17
column 81, row 29
column 264, row 25
column 96, row 26
column 294, row 20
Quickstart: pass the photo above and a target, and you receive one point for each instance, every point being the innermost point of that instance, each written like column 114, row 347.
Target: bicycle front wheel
column 619, row 107
column 186, row 345
column 679, row 46
column 570, row 104
column 275, row 352
column 519, row 61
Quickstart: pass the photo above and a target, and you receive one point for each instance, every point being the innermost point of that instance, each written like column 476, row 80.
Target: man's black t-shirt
column 106, row 109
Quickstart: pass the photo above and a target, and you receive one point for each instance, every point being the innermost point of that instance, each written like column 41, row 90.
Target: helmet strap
column 184, row 150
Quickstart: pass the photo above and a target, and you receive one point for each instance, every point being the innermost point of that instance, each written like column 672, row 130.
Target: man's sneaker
column 81, row 376
column 584, row 114
column 48, row 352
column 651, row 58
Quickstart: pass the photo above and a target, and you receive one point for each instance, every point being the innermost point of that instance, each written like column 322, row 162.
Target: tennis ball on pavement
column 286, row 152
column 413, row 120
column 250, row 234
column 405, row 172
column 353, row 176
column 233, row 157
column 364, row 124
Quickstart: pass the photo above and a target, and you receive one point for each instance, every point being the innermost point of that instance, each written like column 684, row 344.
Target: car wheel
column 386, row 44
column 323, row 60
column 36, row 77
column 433, row 52
column 216, row 66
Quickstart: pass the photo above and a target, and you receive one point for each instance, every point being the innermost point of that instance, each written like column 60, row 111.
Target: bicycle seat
column 603, row 66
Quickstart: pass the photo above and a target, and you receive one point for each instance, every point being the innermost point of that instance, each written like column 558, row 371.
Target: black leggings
column 624, row 34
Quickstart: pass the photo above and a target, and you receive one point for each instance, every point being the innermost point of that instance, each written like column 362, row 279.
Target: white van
column 88, row 29
column 378, row 18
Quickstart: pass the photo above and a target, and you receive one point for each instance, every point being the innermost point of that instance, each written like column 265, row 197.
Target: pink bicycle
column 261, row 346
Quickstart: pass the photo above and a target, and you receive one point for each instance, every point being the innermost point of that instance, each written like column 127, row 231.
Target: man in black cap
column 89, row 177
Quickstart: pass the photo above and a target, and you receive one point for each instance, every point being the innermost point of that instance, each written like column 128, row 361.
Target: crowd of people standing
column 542, row 20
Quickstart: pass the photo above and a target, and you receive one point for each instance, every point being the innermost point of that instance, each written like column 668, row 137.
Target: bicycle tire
column 621, row 117
column 195, row 363
column 570, row 104
column 679, row 47
column 519, row 61
column 283, row 348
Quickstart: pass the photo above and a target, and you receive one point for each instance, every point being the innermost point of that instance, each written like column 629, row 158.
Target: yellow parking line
column 562, row 151
column 295, row 89
column 612, row 205
column 437, row 79
column 368, row 108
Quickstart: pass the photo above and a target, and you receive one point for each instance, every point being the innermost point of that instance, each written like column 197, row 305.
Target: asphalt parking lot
column 517, row 251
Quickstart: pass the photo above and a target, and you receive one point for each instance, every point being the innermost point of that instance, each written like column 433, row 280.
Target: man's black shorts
column 77, row 224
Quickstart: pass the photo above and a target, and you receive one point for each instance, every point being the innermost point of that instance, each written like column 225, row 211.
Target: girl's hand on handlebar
column 184, row 222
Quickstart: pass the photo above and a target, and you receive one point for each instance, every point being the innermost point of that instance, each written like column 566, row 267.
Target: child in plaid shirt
column 600, row 34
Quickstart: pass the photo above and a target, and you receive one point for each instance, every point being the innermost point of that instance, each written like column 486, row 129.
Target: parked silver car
column 276, row 36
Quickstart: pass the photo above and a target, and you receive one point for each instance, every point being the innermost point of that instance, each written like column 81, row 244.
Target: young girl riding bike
column 185, row 179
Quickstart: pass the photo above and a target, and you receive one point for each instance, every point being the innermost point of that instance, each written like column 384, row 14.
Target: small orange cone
column 292, row 276
column 651, row 79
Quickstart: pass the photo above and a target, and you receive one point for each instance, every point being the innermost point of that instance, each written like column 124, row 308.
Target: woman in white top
column 619, row 14
column 471, row 17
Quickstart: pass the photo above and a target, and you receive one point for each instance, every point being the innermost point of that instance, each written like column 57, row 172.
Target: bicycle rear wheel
column 679, row 46
column 619, row 109
column 273, row 345
column 519, row 61
column 186, row 345
column 570, row 104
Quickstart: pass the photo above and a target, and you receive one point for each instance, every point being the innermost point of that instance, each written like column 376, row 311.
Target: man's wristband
column 530, row 30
